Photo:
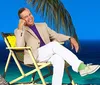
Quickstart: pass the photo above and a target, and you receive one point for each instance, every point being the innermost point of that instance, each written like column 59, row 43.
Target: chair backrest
column 10, row 41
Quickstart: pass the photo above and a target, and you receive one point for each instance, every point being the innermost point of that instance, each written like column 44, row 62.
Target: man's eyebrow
column 27, row 15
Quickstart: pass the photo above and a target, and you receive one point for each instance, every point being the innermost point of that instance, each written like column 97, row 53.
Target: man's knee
column 55, row 43
column 58, row 61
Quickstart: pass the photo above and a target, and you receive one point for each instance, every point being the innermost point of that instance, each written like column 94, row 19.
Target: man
column 39, row 37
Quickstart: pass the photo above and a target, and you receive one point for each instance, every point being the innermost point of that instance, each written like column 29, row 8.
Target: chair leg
column 49, row 69
column 37, row 68
column 7, row 64
column 33, row 77
column 70, row 77
column 44, row 76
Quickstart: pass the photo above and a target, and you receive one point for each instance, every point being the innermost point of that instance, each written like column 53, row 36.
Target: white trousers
column 56, row 54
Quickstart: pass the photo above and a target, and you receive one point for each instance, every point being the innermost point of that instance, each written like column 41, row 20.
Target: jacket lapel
column 40, row 31
column 31, row 32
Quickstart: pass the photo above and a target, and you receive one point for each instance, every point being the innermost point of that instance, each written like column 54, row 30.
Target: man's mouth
column 30, row 20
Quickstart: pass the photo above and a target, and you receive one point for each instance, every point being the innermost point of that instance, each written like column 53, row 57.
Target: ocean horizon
column 89, row 53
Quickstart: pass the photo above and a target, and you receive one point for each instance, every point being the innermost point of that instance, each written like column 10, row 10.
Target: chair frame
column 38, row 66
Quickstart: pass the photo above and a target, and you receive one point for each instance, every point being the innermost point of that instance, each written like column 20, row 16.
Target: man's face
column 27, row 16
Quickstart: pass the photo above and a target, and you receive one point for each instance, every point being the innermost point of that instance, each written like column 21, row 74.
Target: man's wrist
column 69, row 38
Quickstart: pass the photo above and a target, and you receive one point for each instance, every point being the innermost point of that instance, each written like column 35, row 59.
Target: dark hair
column 20, row 11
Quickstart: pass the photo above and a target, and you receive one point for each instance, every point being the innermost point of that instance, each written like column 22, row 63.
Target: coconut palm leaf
column 56, row 14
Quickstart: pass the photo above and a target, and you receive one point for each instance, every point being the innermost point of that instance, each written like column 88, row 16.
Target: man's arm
column 56, row 36
column 19, row 33
column 20, row 42
column 61, row 37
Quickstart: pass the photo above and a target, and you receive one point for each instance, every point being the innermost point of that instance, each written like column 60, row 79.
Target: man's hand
column 21, row 24
column 74, row 44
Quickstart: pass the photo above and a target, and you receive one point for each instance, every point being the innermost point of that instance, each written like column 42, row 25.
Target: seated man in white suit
column 39, row 36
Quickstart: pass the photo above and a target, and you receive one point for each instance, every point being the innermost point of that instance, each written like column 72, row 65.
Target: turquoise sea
column 89, row 53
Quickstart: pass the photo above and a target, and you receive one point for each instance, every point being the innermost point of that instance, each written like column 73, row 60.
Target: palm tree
column 56, row 14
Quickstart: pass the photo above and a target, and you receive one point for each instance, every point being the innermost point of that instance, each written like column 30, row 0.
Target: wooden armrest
column 23, row 48
column 61, row 42
column 18, row 48
column 43, row 63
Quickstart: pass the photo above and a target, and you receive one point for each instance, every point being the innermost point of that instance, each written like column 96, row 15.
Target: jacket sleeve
column 56, row 36
column 20, row 42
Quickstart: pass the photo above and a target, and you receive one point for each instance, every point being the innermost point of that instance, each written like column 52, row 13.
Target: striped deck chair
column 18, row 55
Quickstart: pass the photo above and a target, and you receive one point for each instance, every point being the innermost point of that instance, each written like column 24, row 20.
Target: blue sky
column 85, row 16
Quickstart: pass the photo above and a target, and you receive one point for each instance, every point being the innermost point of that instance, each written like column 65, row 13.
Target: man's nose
column 29, row 17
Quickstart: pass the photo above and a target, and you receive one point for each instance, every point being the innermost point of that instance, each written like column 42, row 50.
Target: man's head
column 26, row 15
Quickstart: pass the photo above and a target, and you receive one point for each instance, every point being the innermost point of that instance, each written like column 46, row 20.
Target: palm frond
column 57, row 15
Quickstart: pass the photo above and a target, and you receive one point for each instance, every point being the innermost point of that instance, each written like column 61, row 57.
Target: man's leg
column 46, row 54
column 58, row 69
column 67, row 55
column 54, row 47
column 72, row 59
